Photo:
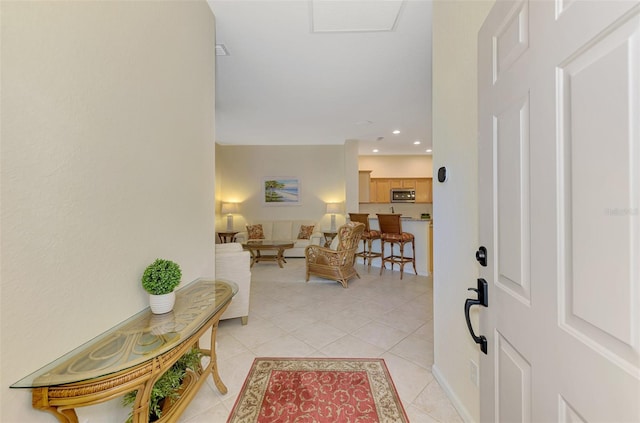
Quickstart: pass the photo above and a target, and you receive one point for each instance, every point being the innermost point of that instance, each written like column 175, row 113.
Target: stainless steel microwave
column 403, row 195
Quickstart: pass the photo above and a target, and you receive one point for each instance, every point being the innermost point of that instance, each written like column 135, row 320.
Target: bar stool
column 368, row 236
column 391, row 232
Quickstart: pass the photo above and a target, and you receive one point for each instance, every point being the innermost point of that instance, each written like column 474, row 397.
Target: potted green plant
column 167, row 388
column 160, row 279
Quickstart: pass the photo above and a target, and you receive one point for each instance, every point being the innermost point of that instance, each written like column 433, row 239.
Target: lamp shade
column 229, row 208
column 333, row 208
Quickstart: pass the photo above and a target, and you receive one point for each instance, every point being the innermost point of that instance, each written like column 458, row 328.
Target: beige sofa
column 286, row 230
column 233, row 264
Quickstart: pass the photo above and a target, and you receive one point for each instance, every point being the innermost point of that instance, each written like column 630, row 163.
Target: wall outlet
column 474, row 373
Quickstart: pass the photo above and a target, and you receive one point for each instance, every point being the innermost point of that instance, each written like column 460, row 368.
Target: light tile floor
column 377, row 316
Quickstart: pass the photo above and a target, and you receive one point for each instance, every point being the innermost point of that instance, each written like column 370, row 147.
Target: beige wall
column 323, row 173
column 397, row 166
column 455, row 127
column 107, row 163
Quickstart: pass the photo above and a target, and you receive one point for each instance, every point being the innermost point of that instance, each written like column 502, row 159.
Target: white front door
column 559, row 189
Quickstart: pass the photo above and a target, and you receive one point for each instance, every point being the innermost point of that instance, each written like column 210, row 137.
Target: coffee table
column 256, row 247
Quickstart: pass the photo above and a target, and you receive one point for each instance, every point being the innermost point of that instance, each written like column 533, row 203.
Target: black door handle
column 483, row 300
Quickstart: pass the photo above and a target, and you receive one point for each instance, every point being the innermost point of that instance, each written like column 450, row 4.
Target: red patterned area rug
column 318, row 390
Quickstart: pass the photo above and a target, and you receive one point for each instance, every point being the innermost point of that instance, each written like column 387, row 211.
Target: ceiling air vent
column 221, row 50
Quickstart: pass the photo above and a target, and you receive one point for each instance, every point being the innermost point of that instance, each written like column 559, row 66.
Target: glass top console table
column 133, row 355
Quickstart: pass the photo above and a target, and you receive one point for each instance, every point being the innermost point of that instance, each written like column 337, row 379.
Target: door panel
column 511, row 134
column 600, row 168
column 513, row 383
column 511, row 39
column 568, row 414
column 559, row 210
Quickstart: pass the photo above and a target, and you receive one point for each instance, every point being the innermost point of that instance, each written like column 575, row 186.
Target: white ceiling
column 309, row 72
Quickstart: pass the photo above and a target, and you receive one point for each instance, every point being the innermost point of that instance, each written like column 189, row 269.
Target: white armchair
column 233, row 264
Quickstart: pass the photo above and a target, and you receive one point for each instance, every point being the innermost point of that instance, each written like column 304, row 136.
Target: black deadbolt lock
column 481, row 256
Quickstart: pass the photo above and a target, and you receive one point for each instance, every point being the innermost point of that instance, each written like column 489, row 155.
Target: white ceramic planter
column 161, row 304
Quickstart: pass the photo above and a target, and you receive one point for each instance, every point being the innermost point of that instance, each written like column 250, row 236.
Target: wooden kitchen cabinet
column 380, row 188
column 382, row 191
column 424, row 190
column 402, row 183
column 364, row 182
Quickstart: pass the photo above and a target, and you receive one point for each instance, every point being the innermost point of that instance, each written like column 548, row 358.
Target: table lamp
column 333, row 208
column 229, row 209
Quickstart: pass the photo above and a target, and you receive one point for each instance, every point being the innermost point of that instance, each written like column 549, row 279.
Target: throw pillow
column 255, row 231
column 305, row 232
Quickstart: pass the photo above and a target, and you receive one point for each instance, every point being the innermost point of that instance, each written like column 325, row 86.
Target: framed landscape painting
column 280, row 191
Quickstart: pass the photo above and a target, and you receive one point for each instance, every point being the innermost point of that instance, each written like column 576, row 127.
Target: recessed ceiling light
column 429, row 150
column 396, row 132
column 375, row 150
column 416, row 142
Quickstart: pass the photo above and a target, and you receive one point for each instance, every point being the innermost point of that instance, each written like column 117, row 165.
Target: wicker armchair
column 336, row 264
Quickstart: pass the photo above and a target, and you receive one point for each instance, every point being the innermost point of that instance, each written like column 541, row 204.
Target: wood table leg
column 254, row 257
column 213, row 362
column 280, row 257
column 140, row 412
column 40, row 401
column 63, row 416
column 212, row 367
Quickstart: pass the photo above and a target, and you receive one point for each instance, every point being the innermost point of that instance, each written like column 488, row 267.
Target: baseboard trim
column 455, row 400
